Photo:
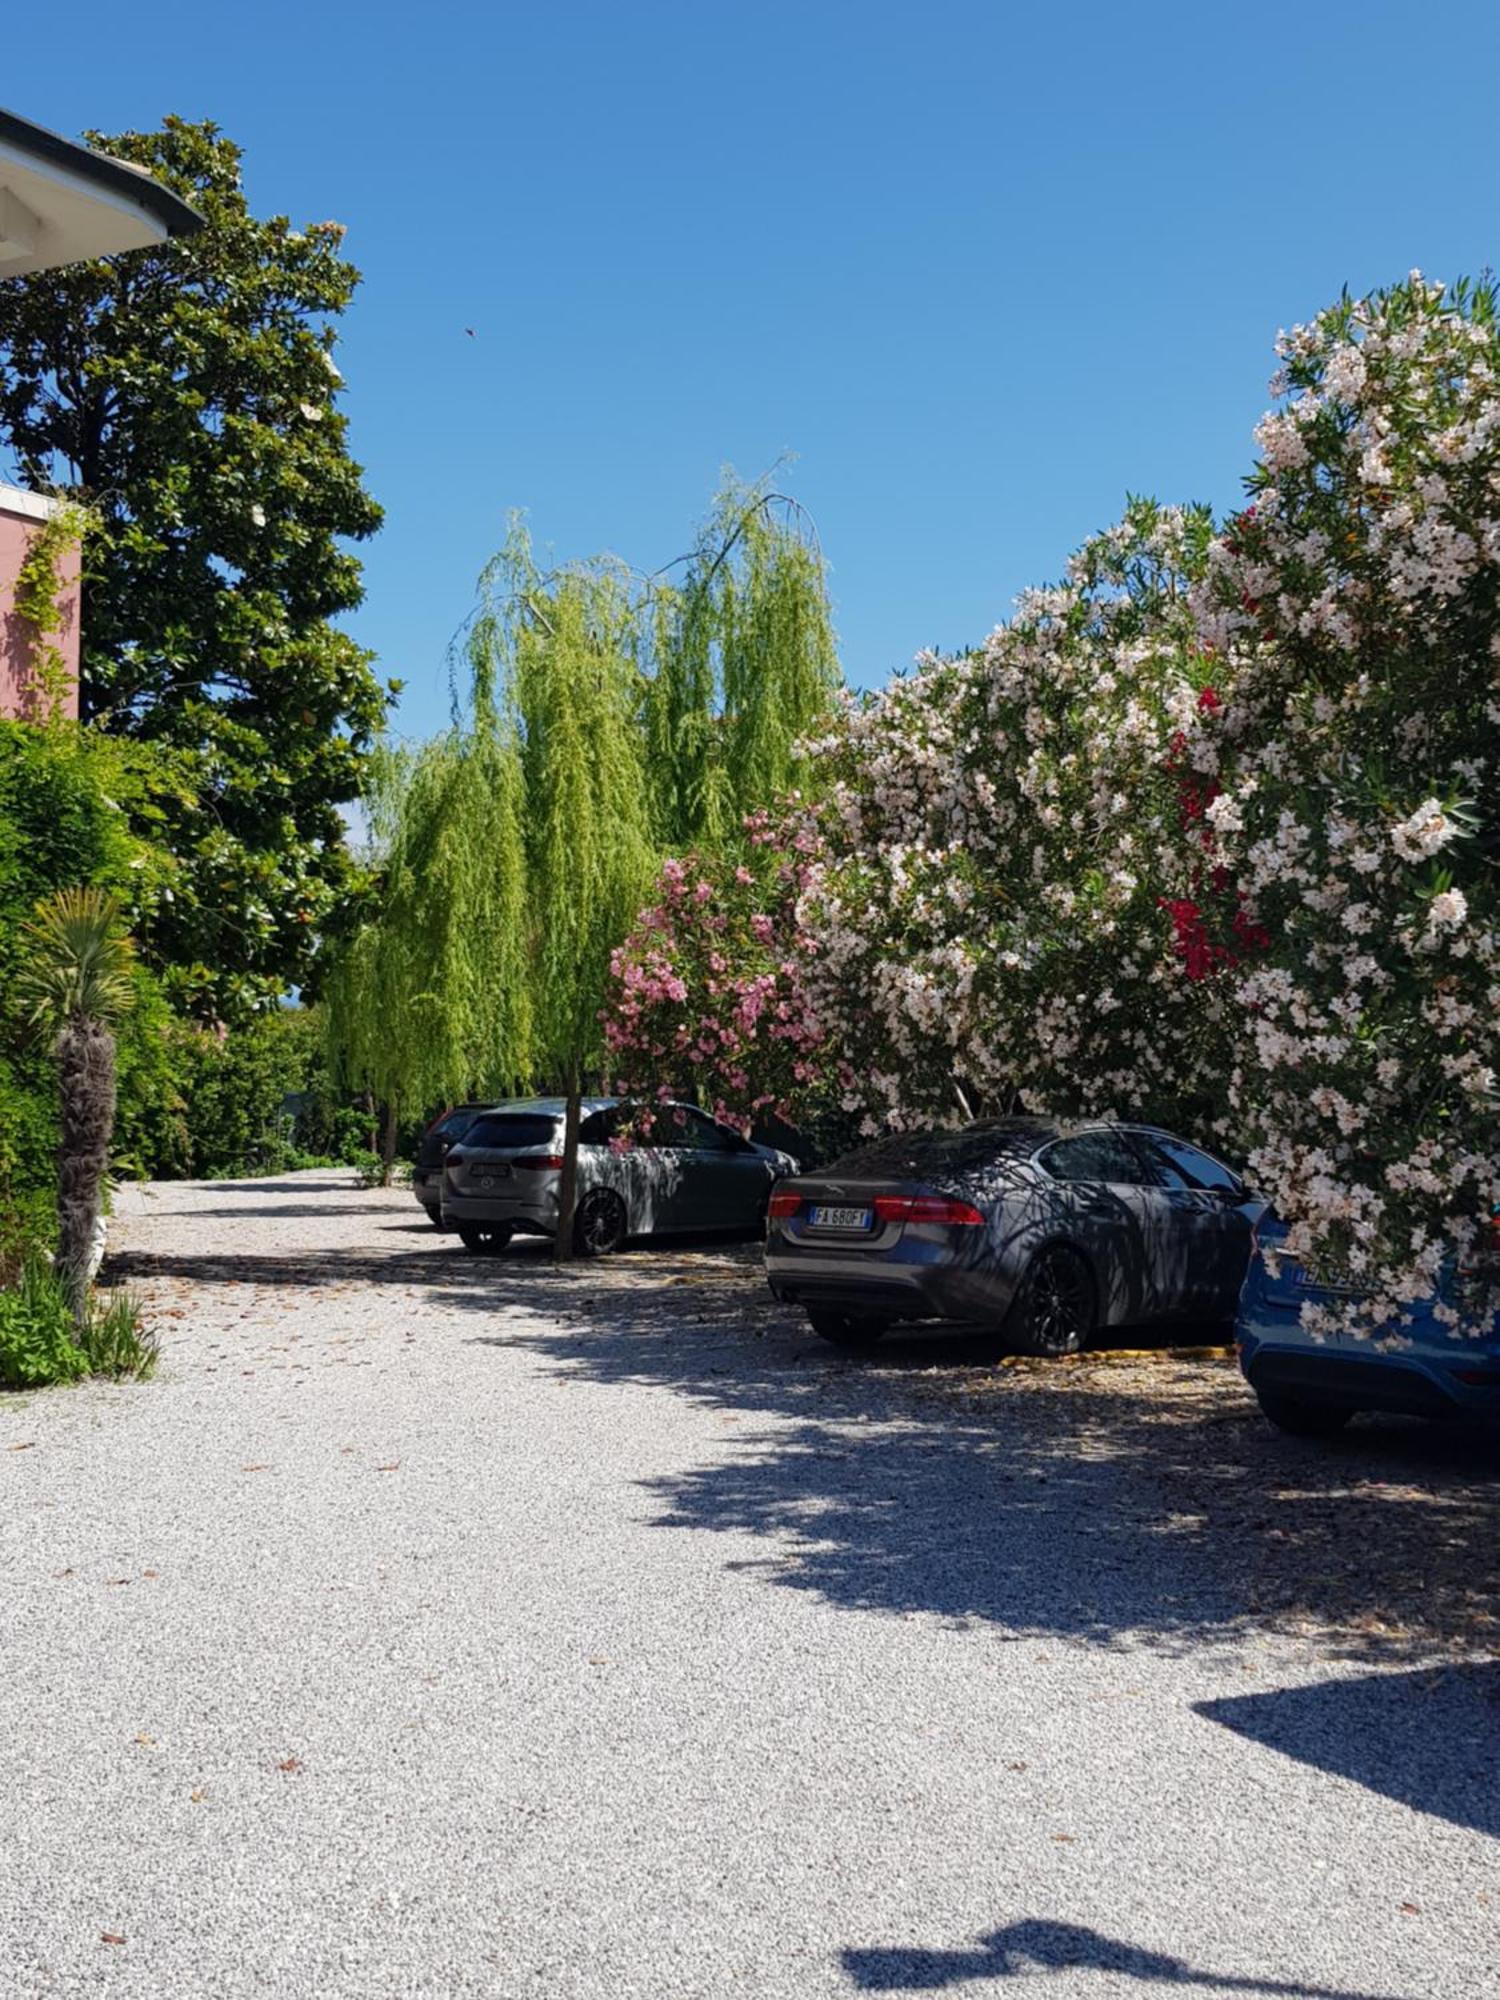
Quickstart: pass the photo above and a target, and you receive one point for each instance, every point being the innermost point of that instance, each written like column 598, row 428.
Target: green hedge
column 61, row 823
column 192, row 1102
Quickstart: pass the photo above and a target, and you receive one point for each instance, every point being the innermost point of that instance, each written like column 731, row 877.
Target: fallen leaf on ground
column 112, row 1937
column 291, row 1764
column 395, row 1467
column 149, row 1741
column 30, row 1445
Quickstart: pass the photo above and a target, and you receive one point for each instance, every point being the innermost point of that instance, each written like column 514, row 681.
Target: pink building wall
column 21, row 517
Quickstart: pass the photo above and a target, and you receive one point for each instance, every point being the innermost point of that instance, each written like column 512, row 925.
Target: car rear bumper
column 533, row 1210
column 1408, row 1385
column 922, row 1284
column 428, row 1189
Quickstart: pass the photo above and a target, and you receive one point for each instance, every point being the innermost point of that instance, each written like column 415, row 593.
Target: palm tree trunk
column 86, row 1088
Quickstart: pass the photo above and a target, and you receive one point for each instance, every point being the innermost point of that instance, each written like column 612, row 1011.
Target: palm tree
column 76, row 981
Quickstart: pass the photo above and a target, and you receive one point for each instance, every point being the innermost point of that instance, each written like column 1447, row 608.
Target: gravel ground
column 441, row 1626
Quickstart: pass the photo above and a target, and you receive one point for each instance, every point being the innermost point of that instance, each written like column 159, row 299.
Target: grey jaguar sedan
column 1050, row 1232
column 686, row 1174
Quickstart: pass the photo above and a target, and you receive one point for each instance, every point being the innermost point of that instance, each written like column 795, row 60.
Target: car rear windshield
column 511, row 1128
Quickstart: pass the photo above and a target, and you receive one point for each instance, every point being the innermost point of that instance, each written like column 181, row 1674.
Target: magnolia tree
column 1002, row 833
column 1350, row 780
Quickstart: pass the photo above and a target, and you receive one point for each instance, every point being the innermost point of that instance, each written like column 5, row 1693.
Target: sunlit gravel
column 444, row 1626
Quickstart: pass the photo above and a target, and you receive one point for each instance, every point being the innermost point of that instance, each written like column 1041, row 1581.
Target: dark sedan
column 1055, row 1231
column 441, row 1135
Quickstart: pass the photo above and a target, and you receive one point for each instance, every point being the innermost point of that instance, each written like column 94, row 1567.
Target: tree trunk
column 86, row 1087
column 567, row 1194
column 388, row 1145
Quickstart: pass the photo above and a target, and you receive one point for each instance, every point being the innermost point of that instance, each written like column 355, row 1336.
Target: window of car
column 602, row 1126
column 708, row 1136
column 679, row 1128
column 1098, row 1156
column 456, row 1122
column 507, row 1129
column 1183, row 1166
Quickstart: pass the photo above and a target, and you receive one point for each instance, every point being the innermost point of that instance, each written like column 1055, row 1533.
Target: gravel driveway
column 443, row 1626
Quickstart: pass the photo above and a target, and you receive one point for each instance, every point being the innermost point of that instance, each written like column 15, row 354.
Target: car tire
column 1300, row 1418
column 1055, row 1311
column 484, row 1239
column 844, row 1329
column 601, row 1224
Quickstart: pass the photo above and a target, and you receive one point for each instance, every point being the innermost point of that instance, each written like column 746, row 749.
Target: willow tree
column 556, row 656
column 429, row 999
column 740, row 664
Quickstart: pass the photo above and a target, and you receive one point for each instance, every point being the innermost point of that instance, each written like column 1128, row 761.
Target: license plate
column 841, row 1218
column 490, row 1176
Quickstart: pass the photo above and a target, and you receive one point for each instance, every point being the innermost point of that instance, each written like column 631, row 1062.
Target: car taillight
column 1484, row 1251
column 927, row 1208
column 540, row 1163
column 784, row 1203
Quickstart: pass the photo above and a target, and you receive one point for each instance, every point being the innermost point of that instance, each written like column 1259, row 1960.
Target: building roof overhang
column 61, row 203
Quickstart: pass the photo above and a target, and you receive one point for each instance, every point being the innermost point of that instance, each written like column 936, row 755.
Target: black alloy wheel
column 484, row 1239
column 844, row 1329
column 1055, row 1312
column 601, row 1224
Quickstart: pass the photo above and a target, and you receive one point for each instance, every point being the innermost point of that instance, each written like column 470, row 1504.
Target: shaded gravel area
column 435, row 1625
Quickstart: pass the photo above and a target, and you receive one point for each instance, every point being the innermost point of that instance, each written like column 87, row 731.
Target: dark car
column 444, row 1132
column 686, row 1174
column 1054, row 1230
column 1311, row 1384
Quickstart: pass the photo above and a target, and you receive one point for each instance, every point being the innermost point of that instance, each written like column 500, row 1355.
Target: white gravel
column 436, row 1626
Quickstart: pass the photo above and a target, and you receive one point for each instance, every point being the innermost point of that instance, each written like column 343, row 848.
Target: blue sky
column 983, row 268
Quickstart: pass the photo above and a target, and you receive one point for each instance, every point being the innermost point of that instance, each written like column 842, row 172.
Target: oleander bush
column 1206, row 832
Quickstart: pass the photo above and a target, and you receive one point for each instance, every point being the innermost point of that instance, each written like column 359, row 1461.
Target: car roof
column 556, row 1107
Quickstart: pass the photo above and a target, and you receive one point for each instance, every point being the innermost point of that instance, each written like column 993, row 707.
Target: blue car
column 1313, row 1387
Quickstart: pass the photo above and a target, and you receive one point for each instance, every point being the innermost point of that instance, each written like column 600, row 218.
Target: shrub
column 40, row 1346
column 36, row 1331
column 116, row 1341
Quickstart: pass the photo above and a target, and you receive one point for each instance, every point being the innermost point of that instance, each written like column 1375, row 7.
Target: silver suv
column 687, row 1174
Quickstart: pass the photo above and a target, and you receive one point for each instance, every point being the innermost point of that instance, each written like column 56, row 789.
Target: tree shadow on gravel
column 1112, row 1501
column 1035, row 1944
column 1428, row 1739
